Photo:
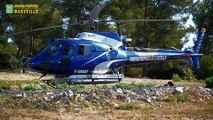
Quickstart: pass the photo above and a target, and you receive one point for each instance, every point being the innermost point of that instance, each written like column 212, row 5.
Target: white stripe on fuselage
column 151, row 54
column 95, row 58
column 104, row 67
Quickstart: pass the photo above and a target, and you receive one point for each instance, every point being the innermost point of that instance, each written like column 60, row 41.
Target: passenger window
column 85, row 50
column 68, row 50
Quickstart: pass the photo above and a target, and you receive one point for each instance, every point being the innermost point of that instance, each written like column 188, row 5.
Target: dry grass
column 168, row 111
column 176, row 111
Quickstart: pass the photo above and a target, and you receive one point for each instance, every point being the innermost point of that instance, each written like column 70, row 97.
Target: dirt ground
column 35, row 76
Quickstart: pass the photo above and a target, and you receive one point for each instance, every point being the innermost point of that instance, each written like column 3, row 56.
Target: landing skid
column 48, row 82
column 91, row 79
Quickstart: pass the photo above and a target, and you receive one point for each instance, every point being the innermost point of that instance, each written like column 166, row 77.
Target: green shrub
column 167, row 73
column 133, row 71
column 30, row 88
column 129, row 106
column 8, row 61
column 169, row 99
column 189, row 75
column 35, row 86
column 133, row 85
column 177, row 98
column 176, row 78
column 182, row 98
column 15, row 83
column 209, row 82
column 105, row 86
column 7, row 56
column 77, row 87
column 206, row 67
column 64, row 86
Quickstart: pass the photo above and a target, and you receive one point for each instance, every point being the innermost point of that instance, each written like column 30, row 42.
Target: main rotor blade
column 138, row 20
column 50, row 27
column 95, row 11
column 37, row 29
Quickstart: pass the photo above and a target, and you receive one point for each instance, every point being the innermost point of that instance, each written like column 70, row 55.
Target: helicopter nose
column 40, row 66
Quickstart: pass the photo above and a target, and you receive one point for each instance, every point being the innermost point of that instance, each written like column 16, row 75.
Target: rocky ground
column 142, row 99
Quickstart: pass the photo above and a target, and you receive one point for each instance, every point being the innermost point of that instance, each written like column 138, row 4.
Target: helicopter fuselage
column 97, row 53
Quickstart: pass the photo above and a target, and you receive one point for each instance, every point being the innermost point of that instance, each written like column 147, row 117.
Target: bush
column 7, row 56
column 182, row 98
column 8, row 61
column 129, row 106
column 133, row 71
column 209, row 82
column 189, row 75
column 176, row 78
column 206, row 67
column 133, row 85
column 167, row 73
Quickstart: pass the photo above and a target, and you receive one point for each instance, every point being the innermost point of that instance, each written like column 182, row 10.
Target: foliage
column 129, row 106
column 189, row 75
column 133, row 71
column 77, row 87
column 133, row 85
column 105, row 87
column 176, row 78
column 14, row 84
column 182, row 98
column 202, row 16
column 177, row 98
column 7, row 55
column 209, row 82
column 8, row 61
column 164, row 73
column 35, row 86
column 206, row 67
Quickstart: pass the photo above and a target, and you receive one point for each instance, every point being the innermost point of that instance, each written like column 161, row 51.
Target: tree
column 203, row 17
column 30, row 42
column 77, row 11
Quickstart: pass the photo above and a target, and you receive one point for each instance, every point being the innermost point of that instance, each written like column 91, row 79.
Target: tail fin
column 196, row 59
column 196, row 62
column 199, row 40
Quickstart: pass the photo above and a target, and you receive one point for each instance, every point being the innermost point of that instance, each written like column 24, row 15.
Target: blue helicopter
column 95, row 57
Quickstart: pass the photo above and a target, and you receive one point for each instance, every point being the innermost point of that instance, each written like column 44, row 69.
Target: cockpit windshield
column 52, row 50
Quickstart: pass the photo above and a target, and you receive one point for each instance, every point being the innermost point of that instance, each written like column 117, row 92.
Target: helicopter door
column 66, row 58
column 84, row 54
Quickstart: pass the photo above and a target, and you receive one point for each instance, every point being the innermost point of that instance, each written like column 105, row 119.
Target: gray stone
column 46, row 99
column 49, row 93
column 179, row 89
column 20, row 95
column 43, row 104
column 148, row 99
column 115, row 105
column 108, row 93
column 70, row 93
column 119, row 90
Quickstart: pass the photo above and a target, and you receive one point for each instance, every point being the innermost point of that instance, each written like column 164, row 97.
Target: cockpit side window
column 85, row 50
column 68, row 50
column 51, row 50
